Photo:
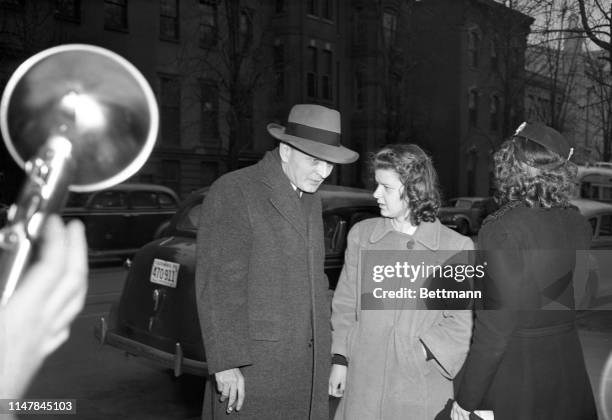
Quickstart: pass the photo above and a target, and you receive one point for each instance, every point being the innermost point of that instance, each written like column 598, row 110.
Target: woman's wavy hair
column 528, row 172
column 418, row 176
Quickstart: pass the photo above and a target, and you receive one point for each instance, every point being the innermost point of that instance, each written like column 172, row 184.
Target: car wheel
column 463, row 227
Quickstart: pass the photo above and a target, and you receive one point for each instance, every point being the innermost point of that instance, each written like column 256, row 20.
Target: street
column 108, row 384
column 105, row 382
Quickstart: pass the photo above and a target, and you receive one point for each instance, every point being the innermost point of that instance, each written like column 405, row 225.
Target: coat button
column 310, row 343
column 410, row 244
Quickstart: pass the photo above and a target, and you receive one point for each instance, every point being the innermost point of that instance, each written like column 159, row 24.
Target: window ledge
column 116, row 29
column 69, row 19
column 168, row 39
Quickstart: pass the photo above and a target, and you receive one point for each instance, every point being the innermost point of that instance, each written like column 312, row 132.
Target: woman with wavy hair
column 391, row 361
column 525, row 361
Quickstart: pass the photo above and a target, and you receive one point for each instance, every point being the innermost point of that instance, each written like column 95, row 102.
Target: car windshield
column 190, row 219
column 77, row 199
column 463, row 204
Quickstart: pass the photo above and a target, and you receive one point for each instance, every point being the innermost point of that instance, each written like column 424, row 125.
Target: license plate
column 164, row 272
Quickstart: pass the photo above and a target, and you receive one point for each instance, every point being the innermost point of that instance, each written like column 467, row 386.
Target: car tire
column 463, row 227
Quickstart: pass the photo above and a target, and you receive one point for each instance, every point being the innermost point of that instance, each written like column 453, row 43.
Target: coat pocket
column 264, row 330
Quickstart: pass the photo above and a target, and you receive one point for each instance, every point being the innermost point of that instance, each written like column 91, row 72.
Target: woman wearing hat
column 525, row 361
column 400, row 360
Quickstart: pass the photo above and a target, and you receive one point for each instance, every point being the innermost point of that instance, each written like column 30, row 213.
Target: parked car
column 599, row 216
column 121, row 219
column 603, row 165
column 156, row 316
column 465, row 214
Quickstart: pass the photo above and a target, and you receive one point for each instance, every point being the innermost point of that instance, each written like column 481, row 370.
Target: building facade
column 431, row 72
column 567, row 89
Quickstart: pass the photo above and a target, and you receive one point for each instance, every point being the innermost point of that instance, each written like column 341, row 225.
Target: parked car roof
column 333, row 196
column 470, row 198
column 137, row 186
column 590, row 208
column 597, row 170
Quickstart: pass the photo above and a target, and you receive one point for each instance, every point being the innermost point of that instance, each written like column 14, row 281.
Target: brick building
column 425, row 71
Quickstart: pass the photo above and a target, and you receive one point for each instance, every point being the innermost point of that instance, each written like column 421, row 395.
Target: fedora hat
column 314, row 130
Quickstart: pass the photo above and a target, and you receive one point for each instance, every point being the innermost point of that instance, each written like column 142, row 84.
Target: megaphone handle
column 48, row 176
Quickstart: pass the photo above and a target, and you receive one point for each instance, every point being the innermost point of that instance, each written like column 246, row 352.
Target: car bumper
column 174, row 361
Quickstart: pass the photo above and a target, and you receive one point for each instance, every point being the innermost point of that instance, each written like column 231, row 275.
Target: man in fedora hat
column 262, row 295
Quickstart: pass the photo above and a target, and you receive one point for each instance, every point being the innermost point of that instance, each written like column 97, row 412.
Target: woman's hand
column 337, row 380
column 459, row 413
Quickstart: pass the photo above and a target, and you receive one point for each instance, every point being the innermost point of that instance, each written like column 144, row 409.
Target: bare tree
column 509, row 35
column 597, row 24
column 395, row 70
column 238, row 60
column 555, row 56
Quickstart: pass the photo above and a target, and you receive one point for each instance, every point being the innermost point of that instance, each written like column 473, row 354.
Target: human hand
column 230, row 383
column 337, row 380
column 36, row 320
column 459, row 413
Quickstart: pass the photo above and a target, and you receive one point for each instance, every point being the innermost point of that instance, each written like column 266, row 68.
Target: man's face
column 304, row 171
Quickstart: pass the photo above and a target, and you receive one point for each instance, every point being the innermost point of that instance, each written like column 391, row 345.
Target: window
column 170, row 94
column 166, row 201
column 359, row 27
column 311, row 72
column 463, row 204
column 279, row 6
column 143, row 200
column 312, row 7
column 209, row 123
column 68, row 10
column 326, row 77
column 109, row 200
column 605, row 225
column 12, row 4
column 473, row 47
column 246, row 28
column 115, row 14
column 168, row 19
column 530, row 107
column 77, row 199
column 389, row 27
column 359, row 93
column 473, row 108
column 191, row 220
column 328, row 9
column 209, row 171
column 279, row 69
column 171, row 174
column 593, row 222
column 494, row 61
column 208, row 23
column 334, row 233
column 494, row 113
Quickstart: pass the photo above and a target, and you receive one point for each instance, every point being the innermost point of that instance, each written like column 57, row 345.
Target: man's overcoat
column 262, row 294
